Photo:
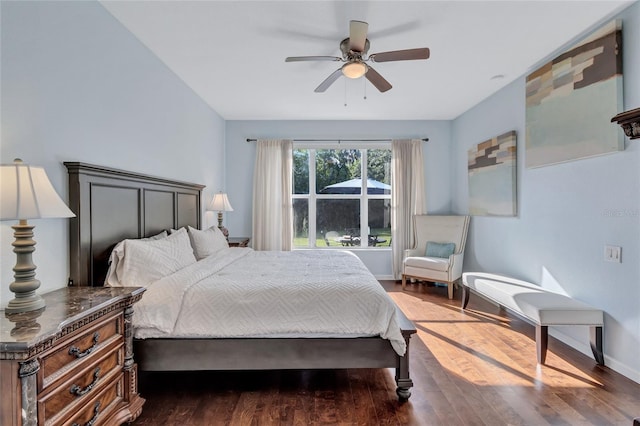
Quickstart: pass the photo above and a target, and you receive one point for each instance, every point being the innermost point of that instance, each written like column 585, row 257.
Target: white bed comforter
column 244, row 293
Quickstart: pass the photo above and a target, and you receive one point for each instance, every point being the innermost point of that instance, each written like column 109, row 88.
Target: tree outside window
column 350, row 203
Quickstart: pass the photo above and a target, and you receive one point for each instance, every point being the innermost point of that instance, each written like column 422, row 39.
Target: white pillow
column 207, row 242
column 147, row 261
column 111, row 280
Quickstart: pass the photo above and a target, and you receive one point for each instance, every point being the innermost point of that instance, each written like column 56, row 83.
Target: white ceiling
column 232, row 52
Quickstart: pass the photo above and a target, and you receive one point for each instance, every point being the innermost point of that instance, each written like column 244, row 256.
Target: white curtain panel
column 272, row 203
column 407, row 196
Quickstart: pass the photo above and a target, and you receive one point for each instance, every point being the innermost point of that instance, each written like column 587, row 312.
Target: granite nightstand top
column 64, row 312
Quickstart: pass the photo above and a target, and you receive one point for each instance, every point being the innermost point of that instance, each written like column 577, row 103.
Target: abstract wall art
column 492, row 177
column 571, row 99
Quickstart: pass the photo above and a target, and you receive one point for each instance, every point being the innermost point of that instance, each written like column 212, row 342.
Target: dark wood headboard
column 111, row 205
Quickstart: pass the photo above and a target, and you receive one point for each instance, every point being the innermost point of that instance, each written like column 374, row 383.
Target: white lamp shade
column 220, row 203
column 27, row 193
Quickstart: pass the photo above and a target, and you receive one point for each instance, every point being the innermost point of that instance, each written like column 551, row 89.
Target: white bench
column 537, row 305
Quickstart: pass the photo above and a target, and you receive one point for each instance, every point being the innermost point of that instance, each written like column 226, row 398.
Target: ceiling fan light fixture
column 354, row 69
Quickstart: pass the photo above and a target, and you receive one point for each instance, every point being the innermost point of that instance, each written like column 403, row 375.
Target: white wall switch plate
column 613, row 254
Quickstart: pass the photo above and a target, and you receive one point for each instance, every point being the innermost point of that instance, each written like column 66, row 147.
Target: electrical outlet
column 613, row 254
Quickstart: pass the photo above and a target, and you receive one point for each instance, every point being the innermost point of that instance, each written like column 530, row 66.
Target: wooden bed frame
column 111, row 205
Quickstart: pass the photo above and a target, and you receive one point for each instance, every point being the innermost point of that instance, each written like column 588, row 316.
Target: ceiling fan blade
column 312, row 58
column 378, row 80
column 329, row 81
column 357, row 35
column 401, row 55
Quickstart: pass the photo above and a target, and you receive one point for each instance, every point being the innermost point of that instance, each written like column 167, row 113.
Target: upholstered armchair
column 438, row 251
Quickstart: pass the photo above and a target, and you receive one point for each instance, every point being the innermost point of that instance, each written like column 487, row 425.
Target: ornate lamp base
column 25, row 284
column 23, row 303
column 224, row 230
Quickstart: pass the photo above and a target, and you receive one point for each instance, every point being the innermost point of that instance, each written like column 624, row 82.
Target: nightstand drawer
column 80, row 350
column 74, row 393
column 99, row 408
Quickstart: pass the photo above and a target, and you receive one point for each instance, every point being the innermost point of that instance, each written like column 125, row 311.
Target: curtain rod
column 341, row 140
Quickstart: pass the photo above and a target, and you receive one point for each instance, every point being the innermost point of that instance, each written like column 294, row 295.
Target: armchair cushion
column 431, row 263
column 440, row 249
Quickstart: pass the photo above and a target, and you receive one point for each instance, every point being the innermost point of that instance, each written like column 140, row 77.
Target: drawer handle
column 77, row 391
column 74, row 350
column 96, row 411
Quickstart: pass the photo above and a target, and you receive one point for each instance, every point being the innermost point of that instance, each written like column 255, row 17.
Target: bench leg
column 465, row 296
column 595, row 336
column 542, row 340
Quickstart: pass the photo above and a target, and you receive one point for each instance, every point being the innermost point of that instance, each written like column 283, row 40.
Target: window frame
column 312, row 196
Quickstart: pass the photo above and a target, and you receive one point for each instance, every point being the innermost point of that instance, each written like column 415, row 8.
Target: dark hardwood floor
column 473, row 367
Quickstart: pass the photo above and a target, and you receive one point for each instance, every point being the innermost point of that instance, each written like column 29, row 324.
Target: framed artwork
column 492, row 177
column 571, row 99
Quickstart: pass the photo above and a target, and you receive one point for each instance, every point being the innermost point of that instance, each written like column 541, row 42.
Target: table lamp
column 27, row 193
column 220, row 203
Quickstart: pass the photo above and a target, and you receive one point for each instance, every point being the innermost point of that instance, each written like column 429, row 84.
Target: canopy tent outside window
column 354, row 186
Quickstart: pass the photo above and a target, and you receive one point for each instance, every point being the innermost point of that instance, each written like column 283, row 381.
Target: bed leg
column 465, row 296
column 595, row 335
column 403, row 380
column 542, row 340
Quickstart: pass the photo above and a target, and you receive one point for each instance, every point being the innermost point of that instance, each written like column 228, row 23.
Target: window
column 342, row 196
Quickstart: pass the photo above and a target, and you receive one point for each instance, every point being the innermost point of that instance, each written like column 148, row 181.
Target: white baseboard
column 384, row 277
column 610, row 362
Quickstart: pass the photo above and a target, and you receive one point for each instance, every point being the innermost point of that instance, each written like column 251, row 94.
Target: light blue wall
column 240, row 157
column 567, row 214
column 77, row 86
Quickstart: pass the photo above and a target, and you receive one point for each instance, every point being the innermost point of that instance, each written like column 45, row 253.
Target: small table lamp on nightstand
column 27, row 193
column 220, row 203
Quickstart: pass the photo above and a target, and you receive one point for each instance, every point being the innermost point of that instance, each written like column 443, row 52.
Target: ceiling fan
column 354, row 48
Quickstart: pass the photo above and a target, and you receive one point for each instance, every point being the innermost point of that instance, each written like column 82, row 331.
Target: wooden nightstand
column 72, row 362
column 238, row 241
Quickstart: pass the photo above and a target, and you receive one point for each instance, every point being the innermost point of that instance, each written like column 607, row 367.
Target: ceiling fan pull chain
column 365, row 89
column 345, row 93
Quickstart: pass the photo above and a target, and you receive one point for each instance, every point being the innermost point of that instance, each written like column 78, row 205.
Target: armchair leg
column 450, row 289
column 404, row 281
